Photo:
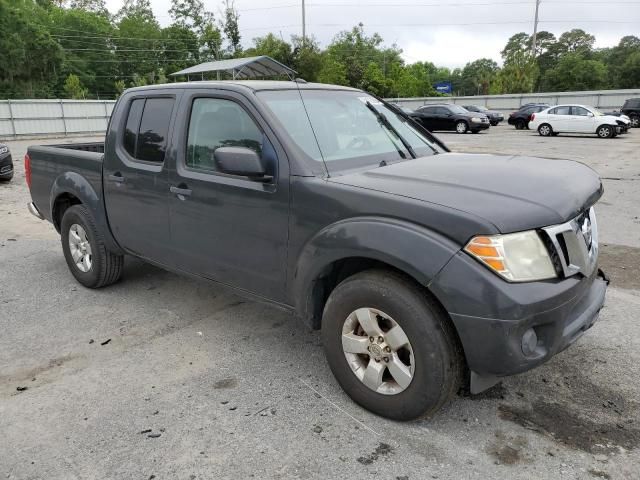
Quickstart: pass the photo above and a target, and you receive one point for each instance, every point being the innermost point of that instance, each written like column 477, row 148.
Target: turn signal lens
column 516, row 257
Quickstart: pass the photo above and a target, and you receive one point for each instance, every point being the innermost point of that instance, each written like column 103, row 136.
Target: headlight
column 516, row 257
column 476, row 120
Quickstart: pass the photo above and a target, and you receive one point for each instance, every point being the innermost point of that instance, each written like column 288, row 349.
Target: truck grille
column 574, row 245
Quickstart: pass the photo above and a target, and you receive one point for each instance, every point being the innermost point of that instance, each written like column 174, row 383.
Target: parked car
column 424, row 269
column 623, row 121
column 450, row 117
column 521, row 118
column 495, row 117
column 6, row 163
column 406, row 110
column 575, row 119
column 631, row 108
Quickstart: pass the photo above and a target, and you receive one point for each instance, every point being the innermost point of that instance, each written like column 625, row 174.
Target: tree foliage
column 76, row 48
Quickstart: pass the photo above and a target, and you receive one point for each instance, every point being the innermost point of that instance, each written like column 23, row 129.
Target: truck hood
column 512, row 193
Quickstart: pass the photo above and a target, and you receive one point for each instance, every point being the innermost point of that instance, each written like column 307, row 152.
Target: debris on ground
column 106, row 342
column 21, row 389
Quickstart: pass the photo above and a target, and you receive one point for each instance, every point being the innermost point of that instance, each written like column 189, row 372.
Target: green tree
column 272, row 46
column 120, row 87
column 73, row 88
column 629, row 73
column 231, row 28
column 574, row 72
column 480, row 74
column 306, row 57
column 575, row 41
column 519, row 73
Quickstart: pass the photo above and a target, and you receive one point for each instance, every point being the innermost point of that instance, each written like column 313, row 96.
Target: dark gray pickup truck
column 427, row 271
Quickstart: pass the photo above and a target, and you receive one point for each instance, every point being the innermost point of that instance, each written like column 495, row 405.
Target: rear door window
column 579, row 111
column 147, row 128
column 561, row 111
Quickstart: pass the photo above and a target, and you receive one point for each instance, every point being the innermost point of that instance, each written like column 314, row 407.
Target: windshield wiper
column 384, row 121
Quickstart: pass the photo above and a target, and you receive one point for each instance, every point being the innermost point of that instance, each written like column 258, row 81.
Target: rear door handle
column 118, row 178
column 180, row 192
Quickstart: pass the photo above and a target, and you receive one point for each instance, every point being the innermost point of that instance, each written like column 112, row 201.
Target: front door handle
column 116, row 177
column 180, row 192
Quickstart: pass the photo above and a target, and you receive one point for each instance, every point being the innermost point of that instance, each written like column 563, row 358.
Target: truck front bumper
column 518, row 326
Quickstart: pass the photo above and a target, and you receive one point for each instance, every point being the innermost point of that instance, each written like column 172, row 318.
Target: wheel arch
column 71, row 188
column 349, row 247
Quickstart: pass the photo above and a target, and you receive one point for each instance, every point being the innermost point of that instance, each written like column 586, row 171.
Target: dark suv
column 6, row 163
column 631, row 109
column 450, row 117
column 521, row 118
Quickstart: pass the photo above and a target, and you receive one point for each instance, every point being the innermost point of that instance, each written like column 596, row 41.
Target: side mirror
column 241, row 161
column 590, row 114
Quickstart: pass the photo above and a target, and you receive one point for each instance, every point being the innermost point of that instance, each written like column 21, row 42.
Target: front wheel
column 87, row 257
column 606, row 131
column 390, row 346
column 461, row 127
column 635, row 121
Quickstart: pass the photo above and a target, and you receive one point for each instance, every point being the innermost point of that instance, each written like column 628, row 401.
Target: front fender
column 410, row 248
column 73, row 183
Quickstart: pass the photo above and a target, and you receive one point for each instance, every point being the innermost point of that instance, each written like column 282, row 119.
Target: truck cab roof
column 252, row 85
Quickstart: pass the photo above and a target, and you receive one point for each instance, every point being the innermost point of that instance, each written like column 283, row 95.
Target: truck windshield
column 342, row 129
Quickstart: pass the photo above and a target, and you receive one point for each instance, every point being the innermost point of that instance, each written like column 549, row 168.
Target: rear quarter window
column 147, row 128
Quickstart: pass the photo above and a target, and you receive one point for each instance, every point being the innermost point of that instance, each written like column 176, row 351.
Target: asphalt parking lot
column 164, row 377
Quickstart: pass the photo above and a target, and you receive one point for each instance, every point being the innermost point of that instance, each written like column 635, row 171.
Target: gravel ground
column 164, row 377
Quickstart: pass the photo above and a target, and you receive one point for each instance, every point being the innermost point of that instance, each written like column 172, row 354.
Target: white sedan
column 576, row 119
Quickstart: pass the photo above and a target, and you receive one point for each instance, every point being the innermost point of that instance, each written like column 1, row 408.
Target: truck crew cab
column 424, row 269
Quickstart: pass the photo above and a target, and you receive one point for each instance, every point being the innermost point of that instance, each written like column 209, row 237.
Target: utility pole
column 535, row 30
column 304, row 26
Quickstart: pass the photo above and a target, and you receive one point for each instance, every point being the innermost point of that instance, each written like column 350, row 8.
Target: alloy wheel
column 378, row 351
column 80, row 248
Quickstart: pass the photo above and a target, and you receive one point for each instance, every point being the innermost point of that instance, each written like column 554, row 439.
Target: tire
column 436, row 357
column 461, row 127
column 520, row 125
column 635, row 121
column 545, row 130
column 606, row 131
column 97, row 267
column 6, row 178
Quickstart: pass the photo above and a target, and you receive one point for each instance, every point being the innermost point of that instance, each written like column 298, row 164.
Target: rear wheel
column 462, row 127
column 520, row 125
column 391, row 347
column 545, row 130
column 635, row 121
column 606, row 131
column 87, row 257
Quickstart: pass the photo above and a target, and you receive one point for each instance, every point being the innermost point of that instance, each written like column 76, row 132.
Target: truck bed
column 53, row 164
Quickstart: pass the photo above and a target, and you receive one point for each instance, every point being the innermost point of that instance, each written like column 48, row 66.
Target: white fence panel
column 20, row 118
column 604, row 99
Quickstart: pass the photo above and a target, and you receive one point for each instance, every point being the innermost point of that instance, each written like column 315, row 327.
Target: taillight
column 27, row 169
column 533, row 117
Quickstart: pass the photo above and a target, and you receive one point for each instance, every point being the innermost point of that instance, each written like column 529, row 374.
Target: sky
column 447, row 33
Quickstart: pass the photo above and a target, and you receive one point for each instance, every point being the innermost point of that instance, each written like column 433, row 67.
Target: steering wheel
column 359, row 143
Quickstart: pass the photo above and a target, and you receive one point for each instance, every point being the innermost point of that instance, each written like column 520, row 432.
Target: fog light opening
column 529, row 342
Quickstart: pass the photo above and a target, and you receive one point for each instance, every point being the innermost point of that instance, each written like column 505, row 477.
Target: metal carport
column 241, row 68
